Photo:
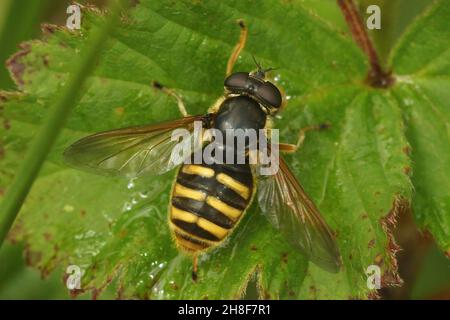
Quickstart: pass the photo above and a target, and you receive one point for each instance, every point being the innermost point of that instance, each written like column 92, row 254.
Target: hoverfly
column 209, row 200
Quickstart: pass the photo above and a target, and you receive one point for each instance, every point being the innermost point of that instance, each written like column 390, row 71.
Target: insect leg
column 173, row 94
column 291, row 148
column 238, row 48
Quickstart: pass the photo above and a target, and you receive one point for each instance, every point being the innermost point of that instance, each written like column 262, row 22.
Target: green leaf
column 423, row 61
column 358, row 172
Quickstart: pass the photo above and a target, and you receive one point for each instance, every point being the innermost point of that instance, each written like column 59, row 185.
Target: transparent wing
column 130, row 152
column 290, row 210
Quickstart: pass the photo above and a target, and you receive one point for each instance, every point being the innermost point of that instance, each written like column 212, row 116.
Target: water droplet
column 156, row 270
column 288, row 97
column 127, row 206
column 277, row 78
column 143, row 195
column 87, row 235
column 107, row 217
column 408, row 102
column 131, row 183
column 90, row 234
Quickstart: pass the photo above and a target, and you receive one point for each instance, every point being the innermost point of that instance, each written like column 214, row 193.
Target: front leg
column 238, row 48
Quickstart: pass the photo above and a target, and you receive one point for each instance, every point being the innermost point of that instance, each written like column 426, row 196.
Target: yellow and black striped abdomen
column 207, row 203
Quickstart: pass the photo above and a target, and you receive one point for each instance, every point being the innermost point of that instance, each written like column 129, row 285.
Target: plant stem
column 58, row 113
column 377, row 77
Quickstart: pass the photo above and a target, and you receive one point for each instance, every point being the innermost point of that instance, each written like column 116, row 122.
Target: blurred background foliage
column 424, row 268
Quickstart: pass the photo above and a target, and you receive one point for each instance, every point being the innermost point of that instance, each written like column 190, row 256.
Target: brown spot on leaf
column 253, row 248
column 120, row 292
column 119, row 111
column 407, row 170
column 73, row 292
column 47, row 236
column 123, row 233
column 3, row 98
column 364, row 216
column 391, row 276
column 371, row 244
column 379, row 259
column 173, row 285
column 49, row 29
column 373, row 295
column 335, row 233
column 265, row 295
column 82, row 213
column 284, row 257
column 6, row 124
column 415, row 244
column 97, row 291
column 32, row 257
column 15, row 65
column 407, row 150
column 313, row 290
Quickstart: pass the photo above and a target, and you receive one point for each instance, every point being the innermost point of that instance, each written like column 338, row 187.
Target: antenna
column 257, row 63
column 261, row 72
column 269, row 69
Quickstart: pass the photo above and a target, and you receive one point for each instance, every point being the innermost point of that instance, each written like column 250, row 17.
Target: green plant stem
column 59, row 112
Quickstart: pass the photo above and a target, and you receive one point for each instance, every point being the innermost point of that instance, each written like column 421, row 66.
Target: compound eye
column 270, row 95
column 236, row 81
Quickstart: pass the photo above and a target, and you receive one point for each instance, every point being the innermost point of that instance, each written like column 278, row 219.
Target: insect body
column 207, row 203
column 208, row 198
